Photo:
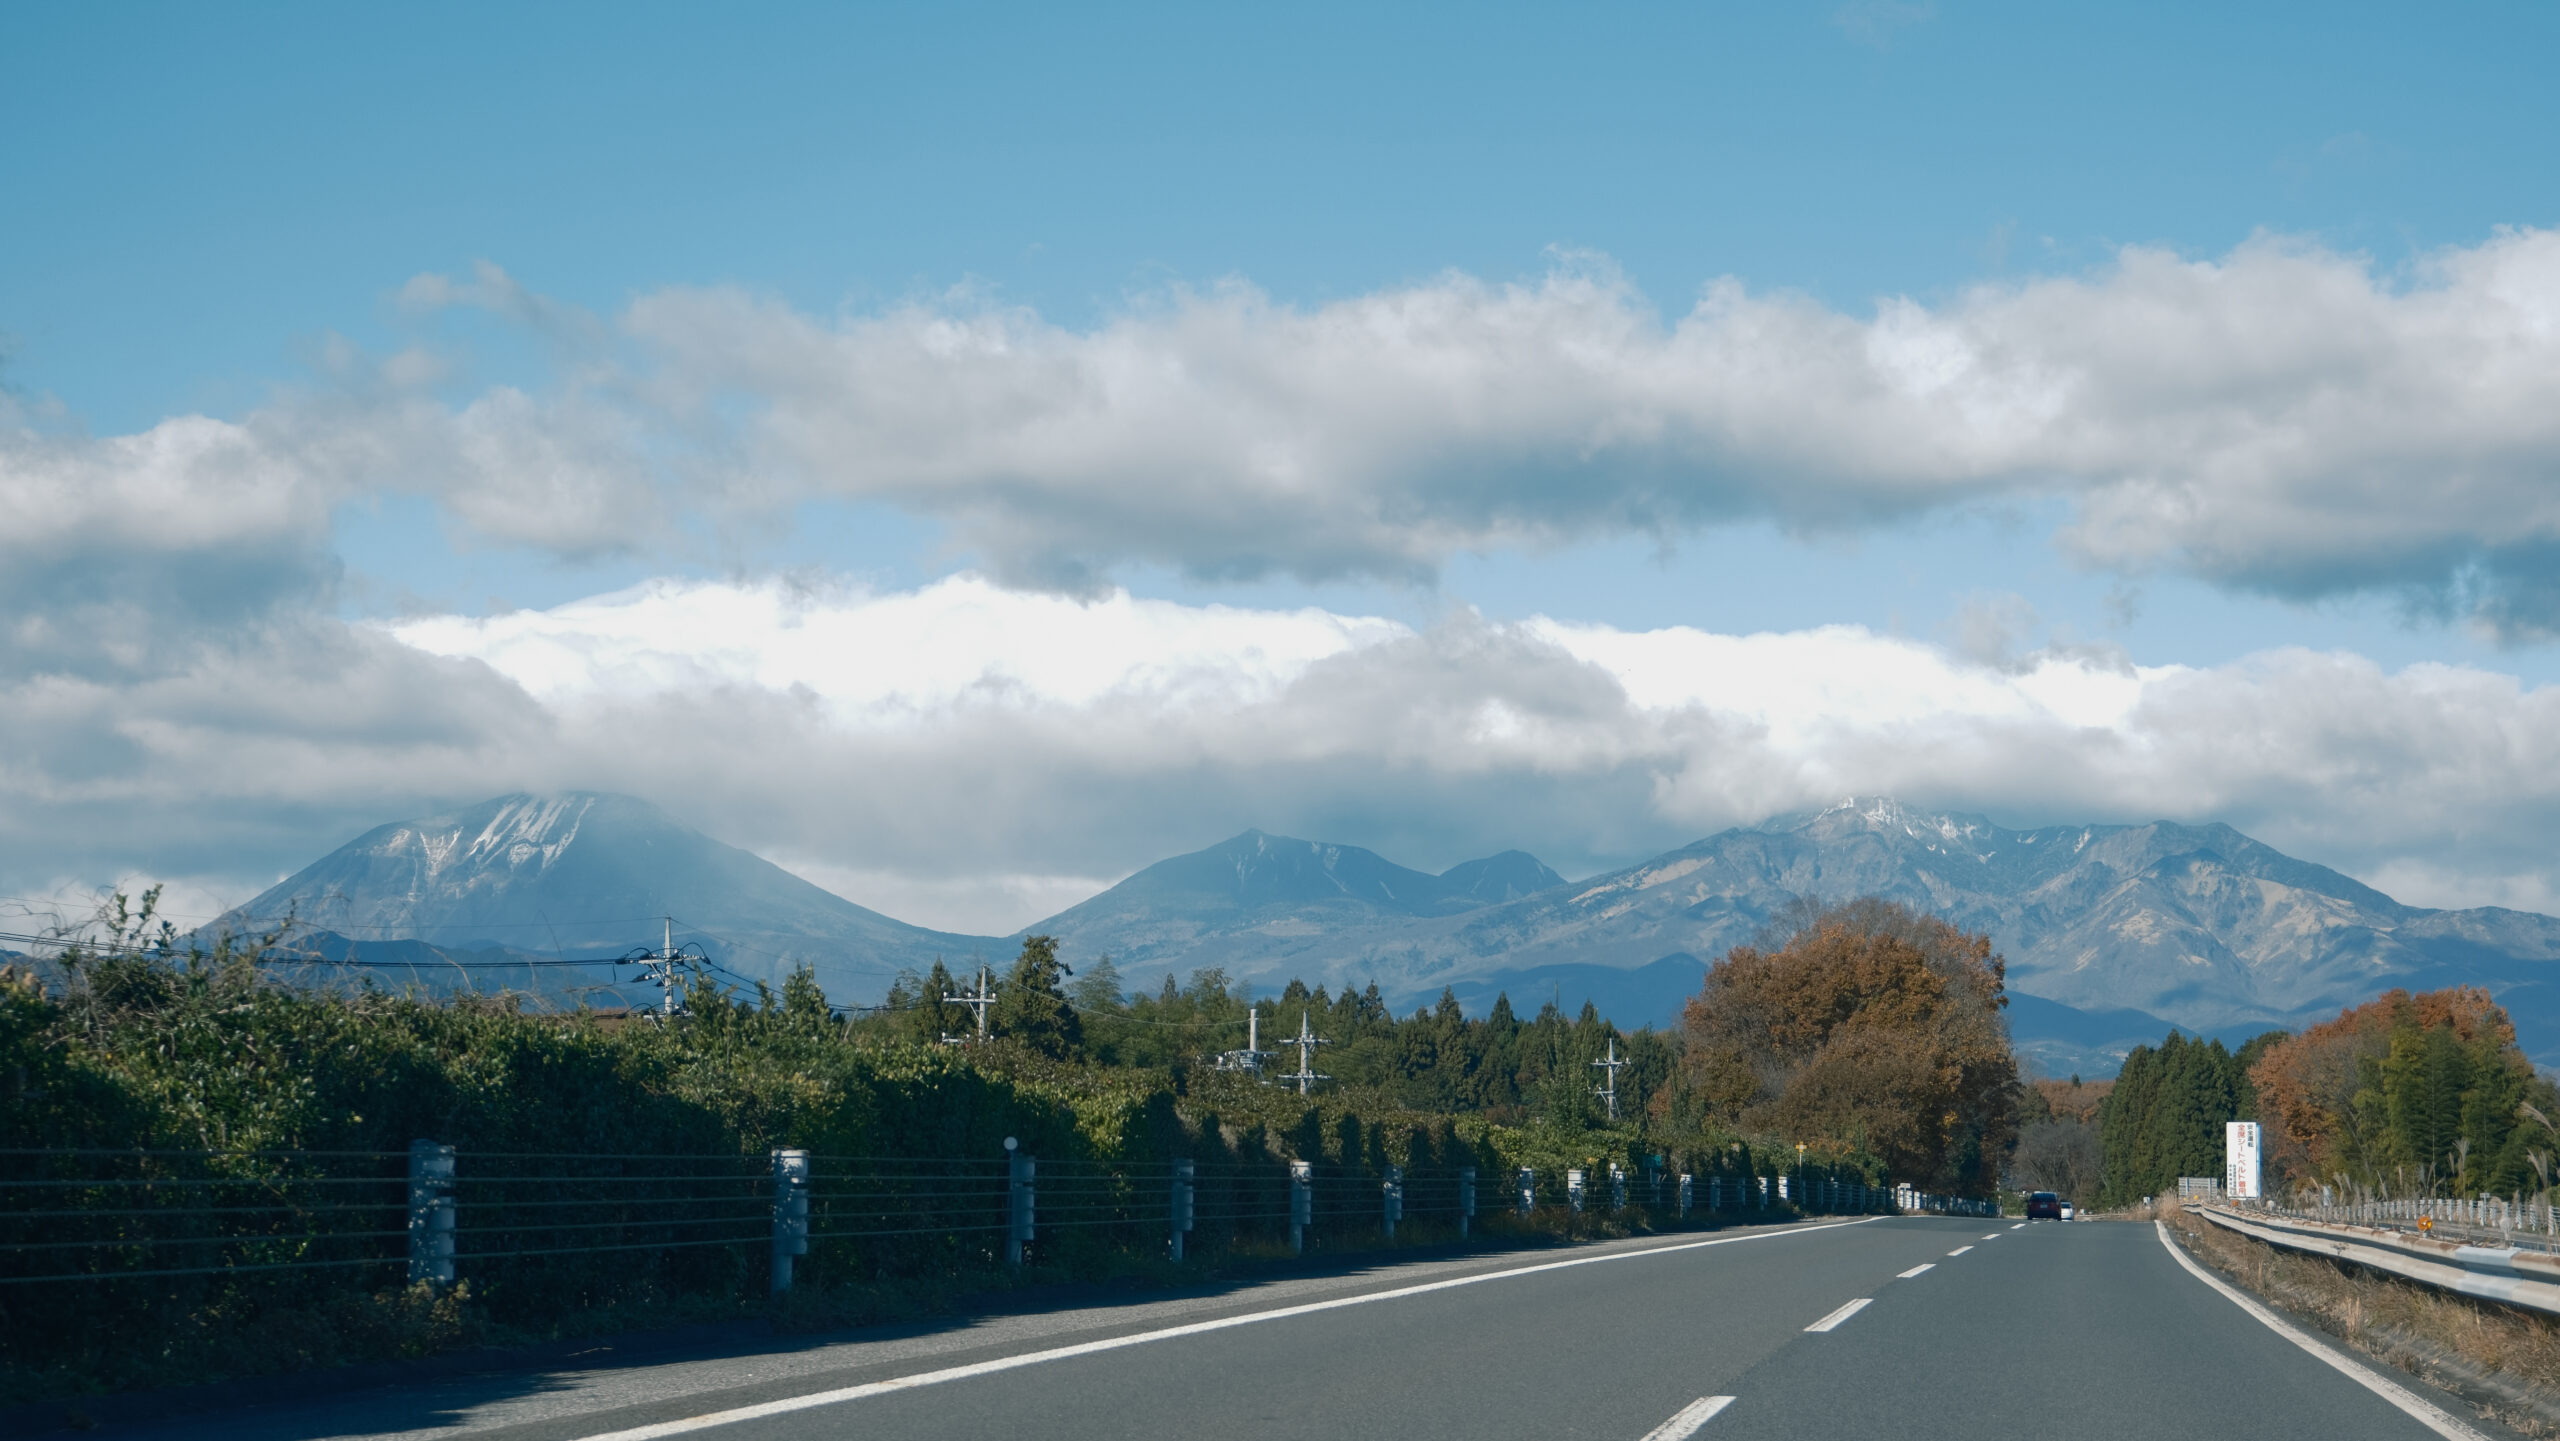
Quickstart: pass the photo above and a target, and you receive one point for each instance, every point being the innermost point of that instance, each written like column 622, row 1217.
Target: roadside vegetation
column 1862, row 1046
column 2408, row 1095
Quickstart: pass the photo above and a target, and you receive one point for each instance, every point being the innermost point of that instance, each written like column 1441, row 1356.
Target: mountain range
column 2112, row 933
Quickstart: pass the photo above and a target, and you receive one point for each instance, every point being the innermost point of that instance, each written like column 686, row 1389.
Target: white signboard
column 2240, row 1160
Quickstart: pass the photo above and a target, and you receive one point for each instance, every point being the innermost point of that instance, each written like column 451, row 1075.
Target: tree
column 1097, row 986
column 1033, row 1009
column 927, row 1015
column 804, row 1005
column 2061, row 1155
column 2408, row 1093
column 1871, row 1026
column 2165, row 1117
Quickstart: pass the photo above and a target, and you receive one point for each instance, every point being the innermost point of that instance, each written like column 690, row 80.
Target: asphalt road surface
column 1893, row 1327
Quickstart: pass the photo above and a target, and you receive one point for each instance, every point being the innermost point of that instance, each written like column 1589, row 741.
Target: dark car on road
column 2044, row 1206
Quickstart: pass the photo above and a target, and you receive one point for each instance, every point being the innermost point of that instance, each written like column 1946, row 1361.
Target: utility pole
column 977, row 1000
column 1306, row 1041
column 658, row 968
column 1612, row 1065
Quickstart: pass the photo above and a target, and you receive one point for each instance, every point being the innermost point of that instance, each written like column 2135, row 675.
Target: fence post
column 1573, row 1190
column 790, row 1214
column 1684, row 1195
column 1617, row 1187
column 430, row 1213
column 1393, row 1199
column 1302, row 1203
column 1185, row 1174
column 1528, row 1189
column 1020, row 1175
column 1466, row 1200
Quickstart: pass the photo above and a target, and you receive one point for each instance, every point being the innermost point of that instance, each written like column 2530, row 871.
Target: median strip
column 1685, row 1423
column 1832, row 1321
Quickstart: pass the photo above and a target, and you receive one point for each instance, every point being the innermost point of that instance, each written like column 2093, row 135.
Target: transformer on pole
column 978, row 1000
column 1612, row 1065
column 1249, row 1059
column 1306, row 1041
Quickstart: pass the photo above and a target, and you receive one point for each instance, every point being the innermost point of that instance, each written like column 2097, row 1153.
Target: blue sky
column 225, row 212
column 215, row 191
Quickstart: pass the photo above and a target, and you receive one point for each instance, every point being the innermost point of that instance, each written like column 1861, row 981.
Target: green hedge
column 161, row 1053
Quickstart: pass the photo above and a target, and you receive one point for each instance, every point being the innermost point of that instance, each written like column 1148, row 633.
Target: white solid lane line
column 843, row 1394
column 2423, row 1411
column 1833, row 1320
column 1685, row 1424
column 1916, row 1270
column 1960, row 1250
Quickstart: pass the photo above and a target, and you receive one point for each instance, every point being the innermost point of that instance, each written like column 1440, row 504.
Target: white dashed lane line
column 2019, row 1227
column 1960, row 1250
column 1832, row 1321
column 1916, row 1270
column 1685, row 1423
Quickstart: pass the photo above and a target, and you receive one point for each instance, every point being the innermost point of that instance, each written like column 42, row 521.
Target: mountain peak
column 1498, row 878
column 1886, row 815
column 584, row 872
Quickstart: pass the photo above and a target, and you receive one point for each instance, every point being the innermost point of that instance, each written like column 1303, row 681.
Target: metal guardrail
column 2487, row 1220
column 2514, row 1275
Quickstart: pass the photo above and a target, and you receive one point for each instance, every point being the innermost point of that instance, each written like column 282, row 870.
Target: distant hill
column 2118, row 931
column 1255, row 902
column 2112, row 933
column 588, row 874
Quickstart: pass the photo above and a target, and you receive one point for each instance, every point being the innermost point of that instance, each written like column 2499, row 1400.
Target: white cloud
column 883, row 659
column 963, row 733
column 2284, row 419
column 972, row 756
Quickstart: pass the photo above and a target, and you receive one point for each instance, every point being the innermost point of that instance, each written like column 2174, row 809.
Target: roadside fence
column 2482, row 1220
column 526, row 1224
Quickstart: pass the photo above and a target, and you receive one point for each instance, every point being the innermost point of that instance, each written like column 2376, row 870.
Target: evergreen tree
column 1033, row 1009
column 1097, row 986
column 931, row 1016
column 2165, row 1117
column 804, row 1006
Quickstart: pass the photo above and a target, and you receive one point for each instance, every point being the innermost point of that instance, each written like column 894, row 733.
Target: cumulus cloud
column 2282, row 419
column 976, row 756
column 964, row 730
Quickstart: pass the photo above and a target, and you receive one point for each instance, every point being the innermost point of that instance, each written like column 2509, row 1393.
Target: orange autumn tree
column 2424, row 1094
column 1873, row 1027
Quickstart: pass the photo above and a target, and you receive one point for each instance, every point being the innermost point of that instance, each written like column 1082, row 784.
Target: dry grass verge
column 2503, row 1362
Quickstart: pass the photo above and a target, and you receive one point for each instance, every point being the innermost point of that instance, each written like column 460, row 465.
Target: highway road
column 1903, row 1327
